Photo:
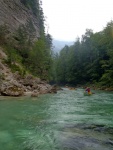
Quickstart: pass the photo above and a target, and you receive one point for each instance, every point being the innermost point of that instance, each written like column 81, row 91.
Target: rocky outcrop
column 14, row 14
column 11, row 88
column 19, row 16
column 16, row 87
column 29, row 85
column 13, row 84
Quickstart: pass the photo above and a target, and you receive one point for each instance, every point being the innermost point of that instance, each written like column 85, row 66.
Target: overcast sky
column 68, row 19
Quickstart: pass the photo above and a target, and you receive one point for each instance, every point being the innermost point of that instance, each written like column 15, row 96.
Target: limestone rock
column 14, row 14
column 11, row 89
column 13, row 84
column 35, row 94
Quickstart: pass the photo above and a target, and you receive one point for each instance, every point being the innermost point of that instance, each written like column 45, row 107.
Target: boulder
column 35, row 94
column 53, row 89
column 11, row 89
column 29, row 80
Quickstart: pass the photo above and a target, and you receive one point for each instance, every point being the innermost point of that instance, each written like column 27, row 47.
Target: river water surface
column 67, row 120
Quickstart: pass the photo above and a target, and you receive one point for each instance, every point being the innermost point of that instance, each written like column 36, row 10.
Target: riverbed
column 67, row 120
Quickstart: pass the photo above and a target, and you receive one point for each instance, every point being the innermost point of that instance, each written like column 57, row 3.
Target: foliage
column 40, row 59
column 87, row 61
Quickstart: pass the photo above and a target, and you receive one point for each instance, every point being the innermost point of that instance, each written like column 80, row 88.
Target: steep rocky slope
column 14, row 14
column 13, row 84
column 15, row 44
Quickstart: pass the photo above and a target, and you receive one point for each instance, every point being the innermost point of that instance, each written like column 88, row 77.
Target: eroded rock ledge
column 13, row 84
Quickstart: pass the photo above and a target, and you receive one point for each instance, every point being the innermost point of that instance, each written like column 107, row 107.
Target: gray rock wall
column 14, row 14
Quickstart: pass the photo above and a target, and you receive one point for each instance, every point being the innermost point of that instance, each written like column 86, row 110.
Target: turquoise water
column 67, row 120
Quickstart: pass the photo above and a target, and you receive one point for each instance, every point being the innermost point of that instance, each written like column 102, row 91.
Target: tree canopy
column 89, row 60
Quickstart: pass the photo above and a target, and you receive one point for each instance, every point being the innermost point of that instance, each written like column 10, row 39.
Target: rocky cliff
column 14, row 14
column 13, row 84
column 23, row 22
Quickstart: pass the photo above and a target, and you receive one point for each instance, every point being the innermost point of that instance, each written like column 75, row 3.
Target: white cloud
column 68, row 19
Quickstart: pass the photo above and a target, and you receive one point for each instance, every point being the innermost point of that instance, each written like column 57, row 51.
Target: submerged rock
column 84, row 137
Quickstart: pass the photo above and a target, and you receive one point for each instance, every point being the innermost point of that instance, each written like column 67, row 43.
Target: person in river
column 88, row 90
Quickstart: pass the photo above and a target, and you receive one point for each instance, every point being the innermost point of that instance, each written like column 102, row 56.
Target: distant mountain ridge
column 58, row 45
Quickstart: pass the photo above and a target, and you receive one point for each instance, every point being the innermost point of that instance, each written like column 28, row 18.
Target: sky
column 68, row 19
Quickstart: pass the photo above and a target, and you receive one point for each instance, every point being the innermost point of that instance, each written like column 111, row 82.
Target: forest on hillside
column 88, row 60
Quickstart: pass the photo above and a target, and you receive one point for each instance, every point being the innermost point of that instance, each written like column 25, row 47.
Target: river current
column 67, row 120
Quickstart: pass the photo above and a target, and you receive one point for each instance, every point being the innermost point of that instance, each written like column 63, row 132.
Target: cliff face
column 14, row 15
column 13, row 84
column 21, row 23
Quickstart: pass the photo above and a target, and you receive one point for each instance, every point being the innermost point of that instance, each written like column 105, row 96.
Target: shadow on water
column 67, row 120
column 87, row 137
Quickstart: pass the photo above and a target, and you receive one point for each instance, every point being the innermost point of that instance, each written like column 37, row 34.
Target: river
column 67, row 120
